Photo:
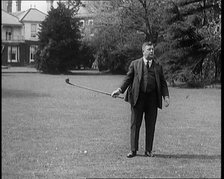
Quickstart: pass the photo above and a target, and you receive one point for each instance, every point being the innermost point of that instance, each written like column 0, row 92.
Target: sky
column 40, row 5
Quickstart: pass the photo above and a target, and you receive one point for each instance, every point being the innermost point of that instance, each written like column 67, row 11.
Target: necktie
column 147, row 64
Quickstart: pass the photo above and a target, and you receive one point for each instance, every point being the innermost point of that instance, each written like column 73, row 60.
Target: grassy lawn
column 53, row 130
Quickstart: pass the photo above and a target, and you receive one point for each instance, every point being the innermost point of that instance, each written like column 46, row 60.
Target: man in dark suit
column 146, row 86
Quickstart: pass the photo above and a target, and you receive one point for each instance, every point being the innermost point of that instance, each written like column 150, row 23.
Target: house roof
column 8, row 19
column 19, row 14
column 31, row 14
column 84, row 12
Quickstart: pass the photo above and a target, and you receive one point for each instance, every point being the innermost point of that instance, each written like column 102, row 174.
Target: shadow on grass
column 18, row 72
column 77, row 72
column 188, row 156
column 12, row 93
column 88, row 72
column 183, row 156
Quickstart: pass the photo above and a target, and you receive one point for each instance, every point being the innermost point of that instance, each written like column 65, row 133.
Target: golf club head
column 67, row 80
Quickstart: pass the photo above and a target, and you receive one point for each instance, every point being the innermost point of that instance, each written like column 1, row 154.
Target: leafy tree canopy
column 185, row 48
column 59, row 40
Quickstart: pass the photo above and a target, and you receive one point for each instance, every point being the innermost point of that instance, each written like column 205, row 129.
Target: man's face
column 148, row 51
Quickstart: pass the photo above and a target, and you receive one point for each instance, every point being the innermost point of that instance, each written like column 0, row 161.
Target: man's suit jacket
column 133, row 79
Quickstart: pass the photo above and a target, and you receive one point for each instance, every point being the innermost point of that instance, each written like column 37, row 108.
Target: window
column 82, row 27
column 13, row 54
column 90, row 22
column 82, row 23
column 33, row 49
column 33, row 30
column 9, row 33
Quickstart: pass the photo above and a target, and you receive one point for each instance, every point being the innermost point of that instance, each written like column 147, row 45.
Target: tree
column 59, row 40
column 122, row 27
column 85, row 57
column 144, row 16
column 185, row 48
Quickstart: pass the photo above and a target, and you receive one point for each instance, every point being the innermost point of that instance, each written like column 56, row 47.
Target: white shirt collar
column 145, row 60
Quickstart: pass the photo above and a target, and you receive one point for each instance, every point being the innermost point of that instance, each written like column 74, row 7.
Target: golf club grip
column 83, row 87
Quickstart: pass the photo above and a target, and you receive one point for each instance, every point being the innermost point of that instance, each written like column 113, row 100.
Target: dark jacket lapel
column 156, row 72
column 139, row 69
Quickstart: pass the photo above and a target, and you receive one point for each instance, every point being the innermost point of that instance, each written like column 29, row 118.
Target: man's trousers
column 147, row 104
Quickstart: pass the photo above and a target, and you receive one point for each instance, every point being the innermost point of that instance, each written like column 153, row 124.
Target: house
column 19, row 36
column 12, row 39
column 86, row 19
column 20, row 28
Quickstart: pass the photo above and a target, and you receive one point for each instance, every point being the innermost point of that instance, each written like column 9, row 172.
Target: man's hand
column 116, row 93
column 167, row 101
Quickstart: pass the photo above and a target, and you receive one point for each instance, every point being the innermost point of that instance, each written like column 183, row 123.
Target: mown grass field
column 53, row 130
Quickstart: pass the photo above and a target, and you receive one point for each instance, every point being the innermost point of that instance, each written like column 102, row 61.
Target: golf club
column 83, row 87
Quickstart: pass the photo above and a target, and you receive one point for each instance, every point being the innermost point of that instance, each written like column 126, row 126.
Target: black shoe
column 149, row 154
column 131, row 154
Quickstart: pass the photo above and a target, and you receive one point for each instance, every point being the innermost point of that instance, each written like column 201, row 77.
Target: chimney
column 18, row 5
column 9, row 6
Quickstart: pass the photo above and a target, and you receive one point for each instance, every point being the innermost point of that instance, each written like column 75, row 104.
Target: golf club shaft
column 94, row 90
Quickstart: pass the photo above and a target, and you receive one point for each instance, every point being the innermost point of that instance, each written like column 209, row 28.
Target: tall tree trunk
column 148, row 34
